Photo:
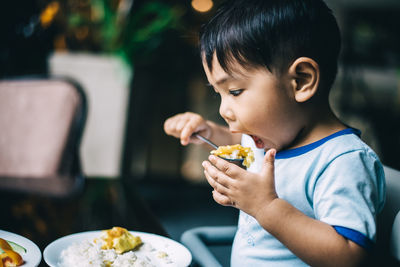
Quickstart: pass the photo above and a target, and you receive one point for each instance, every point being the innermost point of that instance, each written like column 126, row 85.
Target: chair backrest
column 392, row 209
column 388, row 228
column 41, row 122
column 395, row 238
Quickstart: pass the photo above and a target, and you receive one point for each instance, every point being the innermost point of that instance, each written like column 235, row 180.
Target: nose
column 226, row 112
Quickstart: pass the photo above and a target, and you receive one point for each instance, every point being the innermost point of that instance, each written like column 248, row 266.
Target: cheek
column 264, row 120
column 255, row 117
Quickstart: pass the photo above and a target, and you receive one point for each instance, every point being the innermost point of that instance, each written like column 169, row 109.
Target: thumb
column 268, row 163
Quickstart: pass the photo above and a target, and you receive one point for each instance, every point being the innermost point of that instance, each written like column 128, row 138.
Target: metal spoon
column 205, row 140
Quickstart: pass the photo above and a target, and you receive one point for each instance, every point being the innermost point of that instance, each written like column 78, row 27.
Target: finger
column 269, row 162
column 222, row 199
column 224, row 166
column 217, row 186
column 191, row 123
column 170, row 125
column 210, row 180
column 196, row 124
column 217, row 175
column 187, row 131
column 183, row 120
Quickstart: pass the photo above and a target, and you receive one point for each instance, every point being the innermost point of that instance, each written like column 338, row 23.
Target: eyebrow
column 223, row 80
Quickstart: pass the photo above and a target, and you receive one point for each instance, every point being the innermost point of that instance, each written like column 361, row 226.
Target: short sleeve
column 350, row 192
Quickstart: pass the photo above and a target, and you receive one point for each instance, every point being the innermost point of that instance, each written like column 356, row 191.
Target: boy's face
column 258, row 103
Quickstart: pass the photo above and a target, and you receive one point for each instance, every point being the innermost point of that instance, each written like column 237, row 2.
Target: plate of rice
column 89, row 249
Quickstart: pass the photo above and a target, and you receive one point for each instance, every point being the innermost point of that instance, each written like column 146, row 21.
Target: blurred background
column 138, row 63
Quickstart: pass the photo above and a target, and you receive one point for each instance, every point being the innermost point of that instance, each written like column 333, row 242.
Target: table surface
column 103, row 204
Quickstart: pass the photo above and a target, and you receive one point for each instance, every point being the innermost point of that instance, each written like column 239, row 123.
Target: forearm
column 221, row 135
column 313, row 241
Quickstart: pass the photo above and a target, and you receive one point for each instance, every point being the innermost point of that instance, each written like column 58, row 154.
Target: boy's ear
column 305, row 76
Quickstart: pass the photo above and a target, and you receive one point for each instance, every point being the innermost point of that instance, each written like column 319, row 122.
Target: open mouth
column 259, row 143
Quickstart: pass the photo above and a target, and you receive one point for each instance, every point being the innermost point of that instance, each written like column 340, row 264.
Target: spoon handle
column 205, row 140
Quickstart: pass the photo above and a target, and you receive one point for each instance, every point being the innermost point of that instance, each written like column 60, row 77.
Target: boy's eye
column 236, row 92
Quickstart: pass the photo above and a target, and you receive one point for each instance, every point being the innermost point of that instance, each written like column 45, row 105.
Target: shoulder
column 340, row 163
column 351, row 164
column 348, row 145
column 350, row 155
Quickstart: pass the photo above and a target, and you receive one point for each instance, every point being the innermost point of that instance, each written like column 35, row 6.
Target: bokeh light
column 202, row 5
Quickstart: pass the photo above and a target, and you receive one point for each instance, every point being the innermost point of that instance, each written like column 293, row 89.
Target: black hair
column 272, row 34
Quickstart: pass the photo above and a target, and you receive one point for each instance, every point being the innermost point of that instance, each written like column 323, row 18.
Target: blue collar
column 304, row 149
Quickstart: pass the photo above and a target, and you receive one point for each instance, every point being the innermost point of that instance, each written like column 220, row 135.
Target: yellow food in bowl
column 120, row 239
column 235, row 152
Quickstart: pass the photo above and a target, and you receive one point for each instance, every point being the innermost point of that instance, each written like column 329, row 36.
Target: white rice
column 233, row 155
column 87, row 253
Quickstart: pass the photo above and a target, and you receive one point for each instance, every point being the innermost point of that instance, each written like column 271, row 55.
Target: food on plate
column 119, row 239
column 115, row 247
column 9, row 253
column 235, row 152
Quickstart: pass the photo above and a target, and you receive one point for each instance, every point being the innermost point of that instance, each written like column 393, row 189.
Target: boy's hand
column 183, row 125
column 233, row 186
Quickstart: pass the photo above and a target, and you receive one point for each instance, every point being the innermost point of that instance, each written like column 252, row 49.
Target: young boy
column 314, row 198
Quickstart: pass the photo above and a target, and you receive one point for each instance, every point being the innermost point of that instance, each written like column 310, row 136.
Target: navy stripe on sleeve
column 355, row 236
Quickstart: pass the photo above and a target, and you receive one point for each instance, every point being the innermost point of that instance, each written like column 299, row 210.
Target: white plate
column 33, row 256
column 177, row 253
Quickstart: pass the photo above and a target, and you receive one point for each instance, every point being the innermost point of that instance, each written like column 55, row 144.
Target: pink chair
column 41, row 124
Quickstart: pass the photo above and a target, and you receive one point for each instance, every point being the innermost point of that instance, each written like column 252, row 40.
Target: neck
column 319, row 123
